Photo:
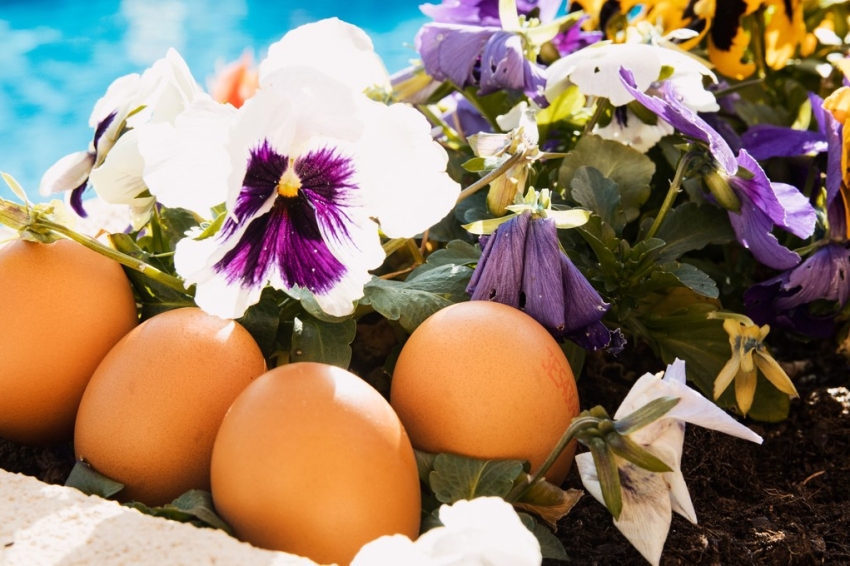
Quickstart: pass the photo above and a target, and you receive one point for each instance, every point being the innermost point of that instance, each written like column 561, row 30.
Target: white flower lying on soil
column 649, row 498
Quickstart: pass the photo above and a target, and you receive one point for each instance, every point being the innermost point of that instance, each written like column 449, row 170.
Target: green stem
column 490, row 177
column 418, row 258
column 675, row 187
column 759, row 46
column 579, row 424
column 145, row 268
column 602, row 105
column 451, row 133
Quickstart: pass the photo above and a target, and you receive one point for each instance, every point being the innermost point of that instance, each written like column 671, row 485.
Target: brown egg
column 62, row 307
column 311, row 460
column 485, row 380
column 149, row 416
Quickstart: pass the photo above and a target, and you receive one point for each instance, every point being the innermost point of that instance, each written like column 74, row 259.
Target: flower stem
column 579, row 424
column 450, row 133
column 602, row 105
column 675, row 188
column 490, row 177
column 147, row 269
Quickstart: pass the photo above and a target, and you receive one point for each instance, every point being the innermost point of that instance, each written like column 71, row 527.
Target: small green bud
column 721, row 190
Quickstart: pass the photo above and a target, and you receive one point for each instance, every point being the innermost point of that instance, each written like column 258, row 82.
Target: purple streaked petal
column 823, row 275
column 534, row 83
column 688, row 122
column 764, row 141
column 76, row 200
column 450, row 52
column 102, row 126
column 326, row 180
column 596, row 336
column 502, row 63
column 752, row 229
column 541, row 276
column 834, row 136
column 724, row 128
column 818, row 112
column 486, row 12
column 265, row 166
column 784, row 204
column 468, row 120
column 498, row 275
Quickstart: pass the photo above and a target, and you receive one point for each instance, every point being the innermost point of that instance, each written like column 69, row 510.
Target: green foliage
column 315, row 340
column 458, row 477
column 91, row 482
column 630, row 170
column 194, row 507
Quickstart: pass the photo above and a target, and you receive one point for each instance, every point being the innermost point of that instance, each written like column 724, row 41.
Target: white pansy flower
column 332, row 46
column 113, row 165
column 485, row 531
column 650, row 498
column 309, row 170
column 595, row 70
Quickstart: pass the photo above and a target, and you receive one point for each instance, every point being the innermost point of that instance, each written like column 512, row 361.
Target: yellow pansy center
column 289, row 183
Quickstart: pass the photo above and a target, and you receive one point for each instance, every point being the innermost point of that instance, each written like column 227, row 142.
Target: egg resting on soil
column 62, row 308
column 312, row 460
column 149, row 416
column 485, row 380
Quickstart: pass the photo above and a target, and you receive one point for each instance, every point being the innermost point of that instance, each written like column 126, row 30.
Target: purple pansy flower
column 523, row 266
column 488, row 57
column 576, row 38
column 763, row 204
column 764, row 141
column 486, row 12
column 783, row 300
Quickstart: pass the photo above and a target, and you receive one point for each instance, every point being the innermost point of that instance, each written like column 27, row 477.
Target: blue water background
column 58, row 57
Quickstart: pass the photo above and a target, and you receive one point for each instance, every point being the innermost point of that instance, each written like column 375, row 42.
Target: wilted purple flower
column 523, row 266
column 488, row 57
column 486, row 12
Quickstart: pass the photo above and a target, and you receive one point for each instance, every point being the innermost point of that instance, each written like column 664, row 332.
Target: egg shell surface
column 149, row 416
column 485, row 380
column 312, row 460
column 62, row 308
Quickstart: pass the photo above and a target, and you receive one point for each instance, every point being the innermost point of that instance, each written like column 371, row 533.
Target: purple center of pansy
column 311, row 195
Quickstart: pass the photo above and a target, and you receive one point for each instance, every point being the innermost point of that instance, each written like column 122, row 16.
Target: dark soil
column 786, row 502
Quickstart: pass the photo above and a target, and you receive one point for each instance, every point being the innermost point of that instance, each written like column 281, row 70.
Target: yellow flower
column 749, row 354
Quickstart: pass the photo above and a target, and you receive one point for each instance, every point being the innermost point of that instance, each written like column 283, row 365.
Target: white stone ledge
column 43, row 524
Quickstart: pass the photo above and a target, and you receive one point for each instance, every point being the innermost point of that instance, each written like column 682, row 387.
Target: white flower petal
column 334, row 47
column 647, row 512
column 175, row 90
column 404, row 170
column 118, row 180
column 390, row 551
column 187, row 164
column 635, row 133
column 66, row 174
column 122, row 91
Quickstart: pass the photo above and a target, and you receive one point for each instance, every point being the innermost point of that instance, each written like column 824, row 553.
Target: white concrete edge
column 42, row 524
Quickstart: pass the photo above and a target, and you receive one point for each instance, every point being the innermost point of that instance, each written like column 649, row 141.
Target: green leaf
column 488, row 225
column 548, row 502
column 674, row 274
column 572, row 218
column 645, row 415
column 176, row 222
column 91, row 482
column 481, row 164
column 770, row 404
column 459, row 477
column 262, row 320
column 213, row 227
column 315, row 340
column 550, row 546
column 311, row 306
column 565, row 107
column 628, row 168
column 609, row 475
column 690, row 227
column 411, row 303
column 456, row 252
column 424, row 464
column 599, row 195
column 194, row 506
column 448, row 281
column 627, row 449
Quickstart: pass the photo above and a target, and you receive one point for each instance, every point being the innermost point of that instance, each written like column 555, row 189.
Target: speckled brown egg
column 149, row 416
column 312, row 460
column 485, row 380
column 62, row 307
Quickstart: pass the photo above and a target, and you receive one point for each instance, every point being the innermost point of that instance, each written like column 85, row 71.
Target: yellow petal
column 745, row 390
column 775, row 374
column 728, row 60
column 727, row 374
column 747, row 361
column 784, row 32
